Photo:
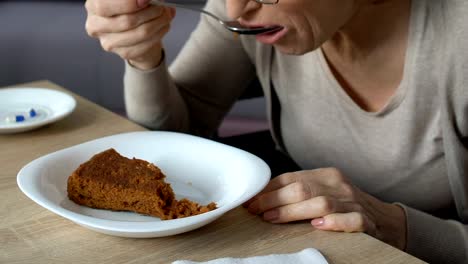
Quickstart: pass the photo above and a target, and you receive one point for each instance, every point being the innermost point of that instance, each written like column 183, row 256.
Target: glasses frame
column 267, row 2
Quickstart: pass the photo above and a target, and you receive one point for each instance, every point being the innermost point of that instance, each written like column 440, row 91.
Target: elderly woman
column 368, row 97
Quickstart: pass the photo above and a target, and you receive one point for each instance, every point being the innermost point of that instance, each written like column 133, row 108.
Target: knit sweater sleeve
column 435, row 240
column 199, row 88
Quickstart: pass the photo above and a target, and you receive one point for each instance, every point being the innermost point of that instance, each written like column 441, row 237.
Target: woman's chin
column 291, row 49
column 293, row 46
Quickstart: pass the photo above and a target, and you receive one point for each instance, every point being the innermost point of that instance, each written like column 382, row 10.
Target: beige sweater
column 411, row 152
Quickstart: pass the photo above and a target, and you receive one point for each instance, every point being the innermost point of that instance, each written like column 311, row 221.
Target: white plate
column 199, row 169
column 50, row 106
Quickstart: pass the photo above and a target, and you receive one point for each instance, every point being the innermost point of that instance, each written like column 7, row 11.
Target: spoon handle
column 157, row 2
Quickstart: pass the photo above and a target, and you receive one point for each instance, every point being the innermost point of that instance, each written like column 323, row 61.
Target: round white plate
column 199, row 169
column 49, row 105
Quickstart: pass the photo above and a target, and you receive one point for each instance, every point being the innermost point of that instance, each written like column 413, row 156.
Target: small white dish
column 197, row 168
column 48, row 105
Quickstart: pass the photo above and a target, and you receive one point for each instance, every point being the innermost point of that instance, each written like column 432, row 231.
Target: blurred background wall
column 46, row 40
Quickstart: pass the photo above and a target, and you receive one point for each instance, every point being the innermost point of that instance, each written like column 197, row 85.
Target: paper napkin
column 306, row 256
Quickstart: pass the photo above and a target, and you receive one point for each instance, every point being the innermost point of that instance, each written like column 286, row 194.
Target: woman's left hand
column 332, row 202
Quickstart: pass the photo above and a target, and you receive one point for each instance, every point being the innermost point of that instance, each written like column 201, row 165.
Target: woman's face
column 307, row 24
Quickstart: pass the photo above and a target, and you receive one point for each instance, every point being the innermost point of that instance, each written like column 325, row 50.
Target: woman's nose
column 239, row 8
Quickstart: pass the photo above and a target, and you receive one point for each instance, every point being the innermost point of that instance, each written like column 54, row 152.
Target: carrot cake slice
column 113, row 182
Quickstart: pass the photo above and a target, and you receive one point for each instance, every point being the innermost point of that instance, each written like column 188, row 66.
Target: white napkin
column 306, row 256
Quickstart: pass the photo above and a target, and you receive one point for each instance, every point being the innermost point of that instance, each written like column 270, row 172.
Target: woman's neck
column 368, row 54
column 375, row 25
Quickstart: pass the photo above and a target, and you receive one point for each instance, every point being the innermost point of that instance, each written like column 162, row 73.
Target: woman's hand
column 132, row 29
column 326, row 197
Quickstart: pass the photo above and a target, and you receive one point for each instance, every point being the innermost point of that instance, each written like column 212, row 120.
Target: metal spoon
column 233, row 26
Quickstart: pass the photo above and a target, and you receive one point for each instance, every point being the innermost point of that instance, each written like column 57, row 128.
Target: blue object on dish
column 32, row 113
column 20, row 118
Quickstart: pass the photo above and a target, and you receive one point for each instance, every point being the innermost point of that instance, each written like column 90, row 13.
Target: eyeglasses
column 267, row 2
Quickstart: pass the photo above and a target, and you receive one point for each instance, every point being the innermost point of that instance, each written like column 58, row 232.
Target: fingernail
column 318, row 222
column 271, row 215
column 142, row 3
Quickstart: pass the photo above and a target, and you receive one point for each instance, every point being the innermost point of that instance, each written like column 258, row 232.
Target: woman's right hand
column 133, row 29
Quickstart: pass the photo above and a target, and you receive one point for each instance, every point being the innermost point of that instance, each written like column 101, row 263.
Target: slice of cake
column 111, row 181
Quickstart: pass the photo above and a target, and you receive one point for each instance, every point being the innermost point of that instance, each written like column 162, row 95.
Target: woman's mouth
column 271, row 37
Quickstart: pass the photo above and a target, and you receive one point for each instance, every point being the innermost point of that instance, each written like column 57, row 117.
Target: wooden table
column 32, row 234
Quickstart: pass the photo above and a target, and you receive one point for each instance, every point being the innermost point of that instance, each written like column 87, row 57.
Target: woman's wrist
column 390, row 221
column 148, row 62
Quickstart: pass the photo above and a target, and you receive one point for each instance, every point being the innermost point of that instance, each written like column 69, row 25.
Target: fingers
column 293, row 193
column 132, row 29
column 137, row 52
column 313, row 208
column 146, row 32
column 345, row 222
column 276, row 183
column 108, row 8
column 318, row 182
column 282, row 180
column 98, row 25
column 134, row 37
column 324, row 195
